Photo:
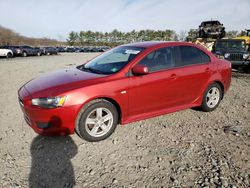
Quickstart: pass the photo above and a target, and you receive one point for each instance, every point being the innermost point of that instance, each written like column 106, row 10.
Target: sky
column 56, row 18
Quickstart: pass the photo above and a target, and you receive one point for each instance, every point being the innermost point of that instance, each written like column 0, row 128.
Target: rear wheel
column 38, row 54
column 211, row 98
column 97, row 120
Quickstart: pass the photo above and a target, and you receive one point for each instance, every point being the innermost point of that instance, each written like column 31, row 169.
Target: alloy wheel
column 99, row 122
column 213, row 97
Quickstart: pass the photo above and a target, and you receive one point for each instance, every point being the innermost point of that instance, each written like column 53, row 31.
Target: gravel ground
column 184, row 149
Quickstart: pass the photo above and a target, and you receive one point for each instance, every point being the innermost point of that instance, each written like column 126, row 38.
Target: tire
column 214, row 91
column 38, row 54
column 9, row 55
column 24, row 54
column 98, row 128
column 47, row 53
column 246, row 69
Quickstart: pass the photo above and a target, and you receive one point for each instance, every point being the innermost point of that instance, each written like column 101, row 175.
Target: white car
column 6, row 53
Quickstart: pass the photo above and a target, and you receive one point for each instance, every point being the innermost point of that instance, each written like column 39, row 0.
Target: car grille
column 27, row 119
column 236, row 57
column 20, row 102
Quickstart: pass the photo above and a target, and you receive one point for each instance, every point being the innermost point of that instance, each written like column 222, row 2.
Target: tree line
column 9, row 37
column 115, row 37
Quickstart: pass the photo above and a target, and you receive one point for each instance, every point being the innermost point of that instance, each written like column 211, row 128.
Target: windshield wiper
column 89, row 69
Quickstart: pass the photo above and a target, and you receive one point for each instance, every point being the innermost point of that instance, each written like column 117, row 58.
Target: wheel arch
column 117, row 106
column 222, row 87
column 9, row 52
column 109, row 99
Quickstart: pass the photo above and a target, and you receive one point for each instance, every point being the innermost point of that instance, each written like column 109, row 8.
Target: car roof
column 211, row 21
column 150, row 44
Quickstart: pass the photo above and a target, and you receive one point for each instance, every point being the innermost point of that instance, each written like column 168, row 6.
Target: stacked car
column 211, row 29
column 211, row 35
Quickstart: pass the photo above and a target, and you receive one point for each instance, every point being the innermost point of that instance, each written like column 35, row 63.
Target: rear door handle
column 207, row 69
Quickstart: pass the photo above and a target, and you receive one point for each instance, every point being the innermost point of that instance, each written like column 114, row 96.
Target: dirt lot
column 185, row 149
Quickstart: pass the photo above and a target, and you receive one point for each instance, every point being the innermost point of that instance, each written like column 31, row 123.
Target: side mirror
column 140, row 70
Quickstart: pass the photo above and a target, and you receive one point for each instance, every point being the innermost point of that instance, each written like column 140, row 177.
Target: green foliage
column 242, row 33
column 231, row 34
column 116, row 37
column 73, row 37
column 191, row 35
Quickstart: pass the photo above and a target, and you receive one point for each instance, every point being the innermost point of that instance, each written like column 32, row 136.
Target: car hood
column 55, row 83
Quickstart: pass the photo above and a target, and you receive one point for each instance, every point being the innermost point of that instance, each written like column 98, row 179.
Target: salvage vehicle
column 49, row 51
column 60, row 49
column 211, row 29
column 6, row 53
column 70, row 49
column 129, row 83
column 246, row 38
column 17, row 51
column 235, row 51
column 29, row 51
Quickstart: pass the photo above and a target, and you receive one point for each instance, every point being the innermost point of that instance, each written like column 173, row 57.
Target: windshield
column 112, row 61
column 239, row 45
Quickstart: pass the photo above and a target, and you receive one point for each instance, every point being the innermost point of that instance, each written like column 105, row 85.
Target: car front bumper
column 240, row 63
column 50, row 122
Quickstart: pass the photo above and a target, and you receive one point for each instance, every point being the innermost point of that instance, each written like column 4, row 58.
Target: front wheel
column 9, row 55
column 97, row 120
column 24, row 54
column 211, row 98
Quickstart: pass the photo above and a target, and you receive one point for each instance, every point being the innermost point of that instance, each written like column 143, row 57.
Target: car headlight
column 245, row 56
column 227, row 55
column 50, row 102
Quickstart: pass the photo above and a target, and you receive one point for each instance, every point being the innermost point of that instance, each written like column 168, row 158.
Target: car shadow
column 51, row 165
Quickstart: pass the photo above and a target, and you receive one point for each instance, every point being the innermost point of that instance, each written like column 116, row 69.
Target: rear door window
column 190, row 55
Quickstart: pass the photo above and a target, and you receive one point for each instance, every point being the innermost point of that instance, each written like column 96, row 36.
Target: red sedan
column 128, row 83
